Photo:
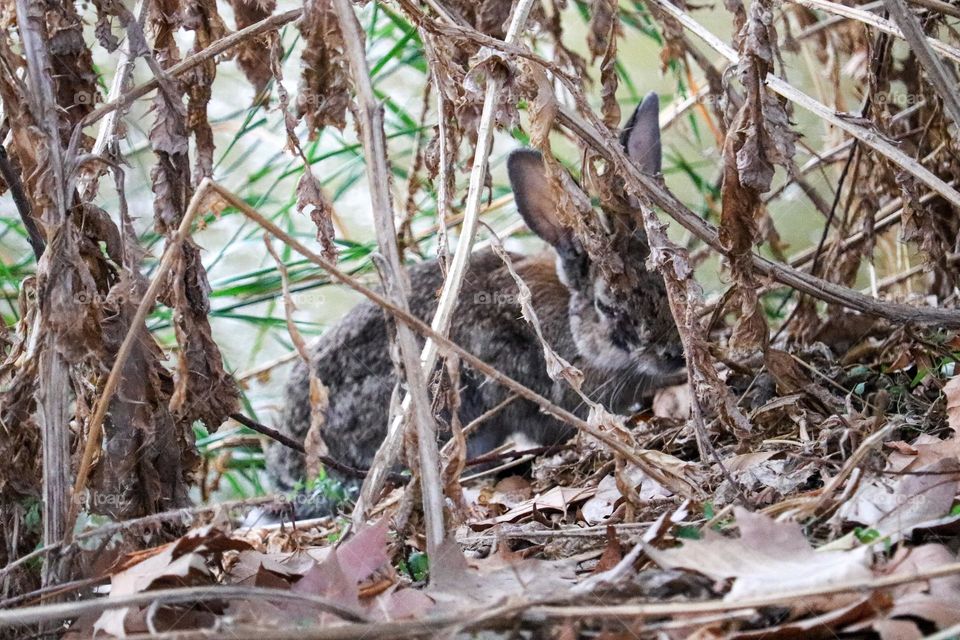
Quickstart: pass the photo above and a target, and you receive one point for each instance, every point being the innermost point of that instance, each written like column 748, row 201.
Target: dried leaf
column 253, row 54
column 311, row 200
column 201, row 16
column 895, row 506
column 769, row 557
column 324, row 87
column 455, row 582
column 951, row 391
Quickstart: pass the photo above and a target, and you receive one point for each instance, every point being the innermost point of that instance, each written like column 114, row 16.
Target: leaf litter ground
column 840, row 519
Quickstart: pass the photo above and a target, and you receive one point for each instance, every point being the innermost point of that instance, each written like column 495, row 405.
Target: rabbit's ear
column 641, row 136
column 535, row 198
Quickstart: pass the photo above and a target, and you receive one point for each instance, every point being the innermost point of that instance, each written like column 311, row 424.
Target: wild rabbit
column 624, row 341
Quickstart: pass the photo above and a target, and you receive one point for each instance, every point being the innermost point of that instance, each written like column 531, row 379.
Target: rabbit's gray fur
column 623, row 341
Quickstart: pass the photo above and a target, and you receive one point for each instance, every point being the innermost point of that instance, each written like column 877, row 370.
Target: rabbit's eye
column 605, row 309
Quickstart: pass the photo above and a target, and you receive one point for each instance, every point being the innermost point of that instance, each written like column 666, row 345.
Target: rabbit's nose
column 673, row 354
column 672, row 350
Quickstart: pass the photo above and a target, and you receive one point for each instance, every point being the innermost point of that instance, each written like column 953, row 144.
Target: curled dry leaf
column 556, row 499
column 758, row 138
column 204, row 390
column 202, row 18
column 253, row 55
column 74, row 77
column 767, row 476
column 106, row 10
column 186, row 562
column 170, row 177
column 312, row 201
column 603, row 29
column 324, row 86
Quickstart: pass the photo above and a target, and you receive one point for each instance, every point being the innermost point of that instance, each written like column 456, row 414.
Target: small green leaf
column 687, row 532
column 866, row 536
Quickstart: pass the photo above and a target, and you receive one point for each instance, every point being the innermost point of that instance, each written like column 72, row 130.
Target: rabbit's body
column 352, row 359
column 614, row 324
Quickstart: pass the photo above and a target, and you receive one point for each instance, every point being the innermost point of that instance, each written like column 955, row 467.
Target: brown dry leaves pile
column 817, row 452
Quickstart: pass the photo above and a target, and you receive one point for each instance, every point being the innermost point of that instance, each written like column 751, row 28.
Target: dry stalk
column 53, row 394
column 395, row 283
column 938, row 5
column 450, row 294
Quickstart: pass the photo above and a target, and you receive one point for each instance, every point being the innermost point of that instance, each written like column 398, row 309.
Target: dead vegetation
column 803, row 484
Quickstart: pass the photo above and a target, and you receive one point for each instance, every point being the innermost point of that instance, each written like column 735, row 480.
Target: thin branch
column 183, row 595
column 15, row 185
column 938, row 5
column 297, row 446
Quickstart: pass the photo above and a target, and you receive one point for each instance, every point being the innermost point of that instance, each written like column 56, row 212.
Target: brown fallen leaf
column 456, row 582
column 509, row 492
column 182, row 563
column 556, row 499
column 768, row 557
column 924, row 450
column 936, row 600
column 896, row 505
column 951, row 392
column 612, row 553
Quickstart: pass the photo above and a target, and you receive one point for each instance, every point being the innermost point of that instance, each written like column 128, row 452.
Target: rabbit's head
column 619, row 320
